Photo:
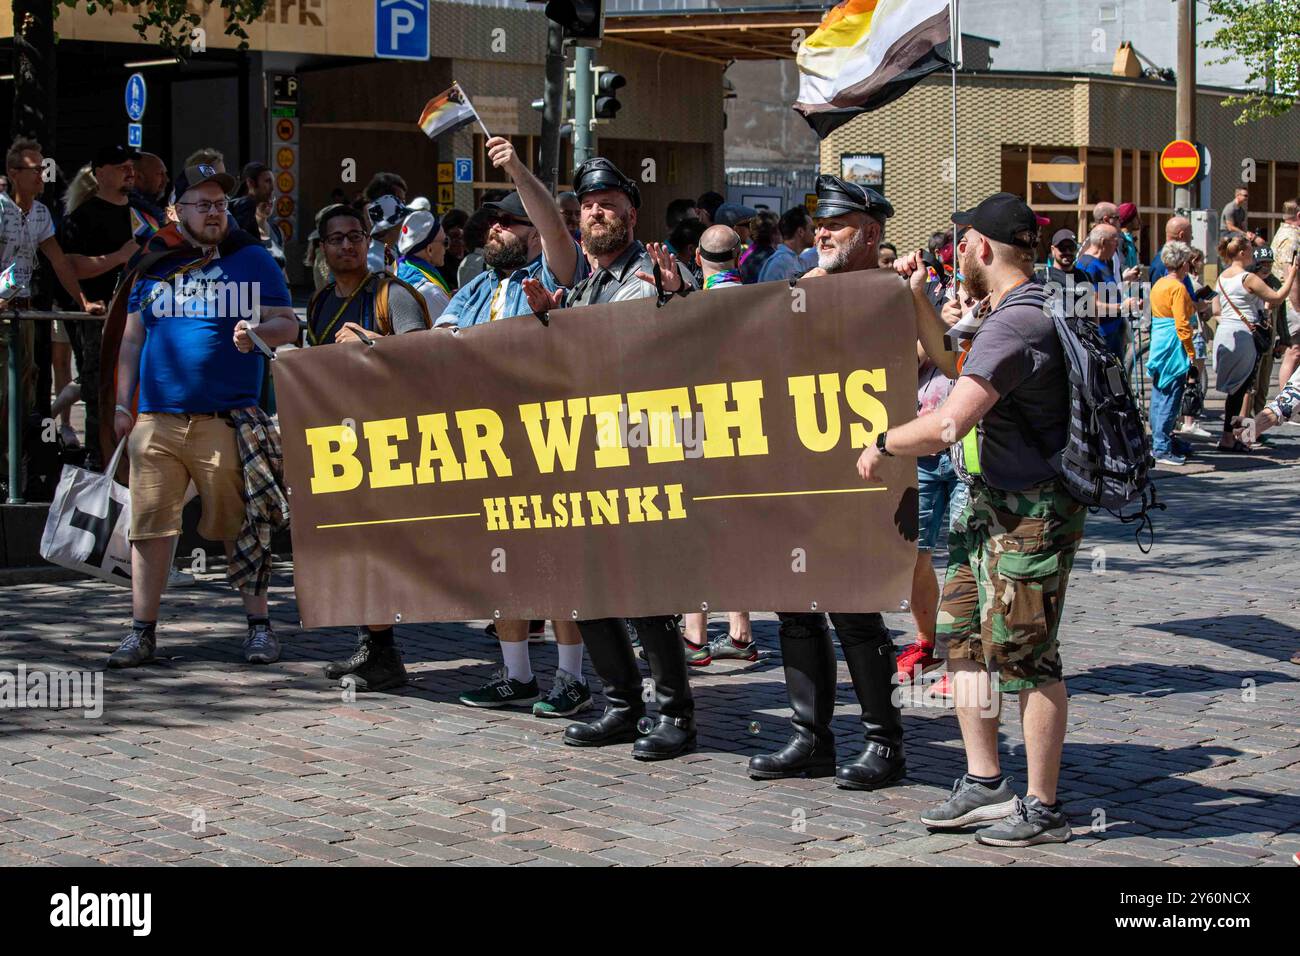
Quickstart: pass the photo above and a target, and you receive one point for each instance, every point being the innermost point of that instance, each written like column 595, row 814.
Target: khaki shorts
column 168, row 452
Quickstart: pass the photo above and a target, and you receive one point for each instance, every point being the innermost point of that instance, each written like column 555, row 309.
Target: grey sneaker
column 569, row 695
column 970, row 803
column 176, row 578
column 1029, row 823
column 136, row 648
column 261, row 646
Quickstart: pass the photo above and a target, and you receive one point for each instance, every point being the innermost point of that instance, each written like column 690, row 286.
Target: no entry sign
column 1180, row 162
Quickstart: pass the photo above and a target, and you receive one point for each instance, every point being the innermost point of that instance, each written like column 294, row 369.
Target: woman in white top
column 1243, row 295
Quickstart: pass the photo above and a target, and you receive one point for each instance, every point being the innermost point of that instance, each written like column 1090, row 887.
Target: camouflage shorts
column 1009, row 558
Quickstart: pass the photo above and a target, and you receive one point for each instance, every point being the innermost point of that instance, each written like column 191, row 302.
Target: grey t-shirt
column 403, row 309
column 1233, row 217
column 1017, row 351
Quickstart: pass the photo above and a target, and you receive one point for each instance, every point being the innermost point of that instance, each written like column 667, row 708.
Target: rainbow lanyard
column 429, row 273
column 729, row 277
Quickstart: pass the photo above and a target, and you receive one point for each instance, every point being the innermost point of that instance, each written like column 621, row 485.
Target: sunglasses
column 505, row 222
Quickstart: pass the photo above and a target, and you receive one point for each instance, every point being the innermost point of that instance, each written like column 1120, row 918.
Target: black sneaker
column 136, row 648
column 502, row 691
column 1029, row 824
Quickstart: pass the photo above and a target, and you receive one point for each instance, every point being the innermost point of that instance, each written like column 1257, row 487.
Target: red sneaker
column 916, row 660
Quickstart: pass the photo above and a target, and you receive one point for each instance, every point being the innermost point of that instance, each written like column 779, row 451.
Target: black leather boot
column 611, row 655
column 336, row 669
column 809, row 660
column 373, row 667
column 869, row 653
column 674, row 735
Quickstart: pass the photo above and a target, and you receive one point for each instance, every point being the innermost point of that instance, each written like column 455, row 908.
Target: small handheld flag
column 449, row 111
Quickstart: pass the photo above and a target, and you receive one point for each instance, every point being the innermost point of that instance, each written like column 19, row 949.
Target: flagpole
column 954, row 50
column 470, row 103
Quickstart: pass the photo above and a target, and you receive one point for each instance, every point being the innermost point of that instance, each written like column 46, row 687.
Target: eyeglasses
column 356, row 237
column 204, row 206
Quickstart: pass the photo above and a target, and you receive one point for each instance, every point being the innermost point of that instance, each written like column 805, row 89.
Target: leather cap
column 599, row 173
column 836, row 196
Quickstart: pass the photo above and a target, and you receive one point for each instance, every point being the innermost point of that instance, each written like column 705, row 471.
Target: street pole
column 552, row 107
column 1186, row 90
column 584, row 146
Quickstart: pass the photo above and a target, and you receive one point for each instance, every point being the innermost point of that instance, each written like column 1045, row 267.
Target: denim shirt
column 472, row 305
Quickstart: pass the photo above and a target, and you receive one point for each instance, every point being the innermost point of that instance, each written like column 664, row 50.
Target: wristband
column 124, row 410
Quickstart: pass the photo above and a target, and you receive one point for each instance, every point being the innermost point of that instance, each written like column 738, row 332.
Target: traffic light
column 607, row 81
column 581, row 19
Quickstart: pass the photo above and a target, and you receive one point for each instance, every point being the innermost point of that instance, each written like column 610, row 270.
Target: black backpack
column 1106, row 462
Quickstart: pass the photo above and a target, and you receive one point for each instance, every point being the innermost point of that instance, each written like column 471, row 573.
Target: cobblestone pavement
column 1182, row 746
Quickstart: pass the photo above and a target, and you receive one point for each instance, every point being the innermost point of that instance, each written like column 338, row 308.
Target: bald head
column 150, row 174
column 1104, row 211
column 719, row 240
column 1178, row 229
column 1102, row 241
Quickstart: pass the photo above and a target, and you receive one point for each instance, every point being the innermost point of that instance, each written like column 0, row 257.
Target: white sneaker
column 177, row 578
column 1195, row 430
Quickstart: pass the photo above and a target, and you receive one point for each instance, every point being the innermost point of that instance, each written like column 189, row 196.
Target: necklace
column 324, row 336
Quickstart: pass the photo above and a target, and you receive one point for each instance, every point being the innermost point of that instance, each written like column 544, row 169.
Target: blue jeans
column 936, row 482
column 1166, row 406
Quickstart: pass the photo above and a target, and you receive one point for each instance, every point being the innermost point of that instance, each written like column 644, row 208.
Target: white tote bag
column 88, row 523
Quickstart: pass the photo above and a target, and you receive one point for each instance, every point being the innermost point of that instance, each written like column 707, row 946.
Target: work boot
column 373, row 667
column 674, row 734
column 869, row 654
column 809, row 660
column 610, row 651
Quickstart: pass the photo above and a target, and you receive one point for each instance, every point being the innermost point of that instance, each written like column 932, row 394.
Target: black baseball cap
column 113, row 155
column 1000, row 217
column 510, row 205
column 836, row 196
column 599, row 173
column 202, row 173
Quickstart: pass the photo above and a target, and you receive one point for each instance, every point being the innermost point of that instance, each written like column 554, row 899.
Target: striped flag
column 448, row 111
column 866, row 53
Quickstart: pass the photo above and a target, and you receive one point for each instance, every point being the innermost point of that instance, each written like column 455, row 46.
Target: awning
column 742, row 34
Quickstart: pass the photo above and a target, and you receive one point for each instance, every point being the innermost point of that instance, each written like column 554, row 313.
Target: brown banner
column 625, row 460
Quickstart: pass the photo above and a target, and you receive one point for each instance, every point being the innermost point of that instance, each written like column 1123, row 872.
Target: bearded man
column 849, row 224
column 527, row 240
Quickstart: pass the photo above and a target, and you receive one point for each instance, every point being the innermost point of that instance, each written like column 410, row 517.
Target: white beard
column 836, row 259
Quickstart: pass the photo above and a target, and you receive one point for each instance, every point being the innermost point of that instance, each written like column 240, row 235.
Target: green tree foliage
column 1265, row 36
column 174, row 20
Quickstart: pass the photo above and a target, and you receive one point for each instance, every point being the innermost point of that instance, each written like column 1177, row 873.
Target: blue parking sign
column 134, row 135
column 137, row 93
column 402, row 29
column 464, row 170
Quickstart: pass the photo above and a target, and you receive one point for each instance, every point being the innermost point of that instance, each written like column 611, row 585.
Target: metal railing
column 14, row 357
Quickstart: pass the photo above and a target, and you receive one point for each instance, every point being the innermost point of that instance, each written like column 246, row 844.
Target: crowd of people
column 188, row 385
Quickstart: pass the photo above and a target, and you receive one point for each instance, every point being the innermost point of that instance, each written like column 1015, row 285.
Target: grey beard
column 838, row 260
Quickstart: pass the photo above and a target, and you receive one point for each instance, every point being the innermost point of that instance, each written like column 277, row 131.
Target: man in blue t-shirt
column 187, row 347
column 1098, row 251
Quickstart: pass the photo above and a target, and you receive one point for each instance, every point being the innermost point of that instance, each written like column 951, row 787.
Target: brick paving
column 1182, row 748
